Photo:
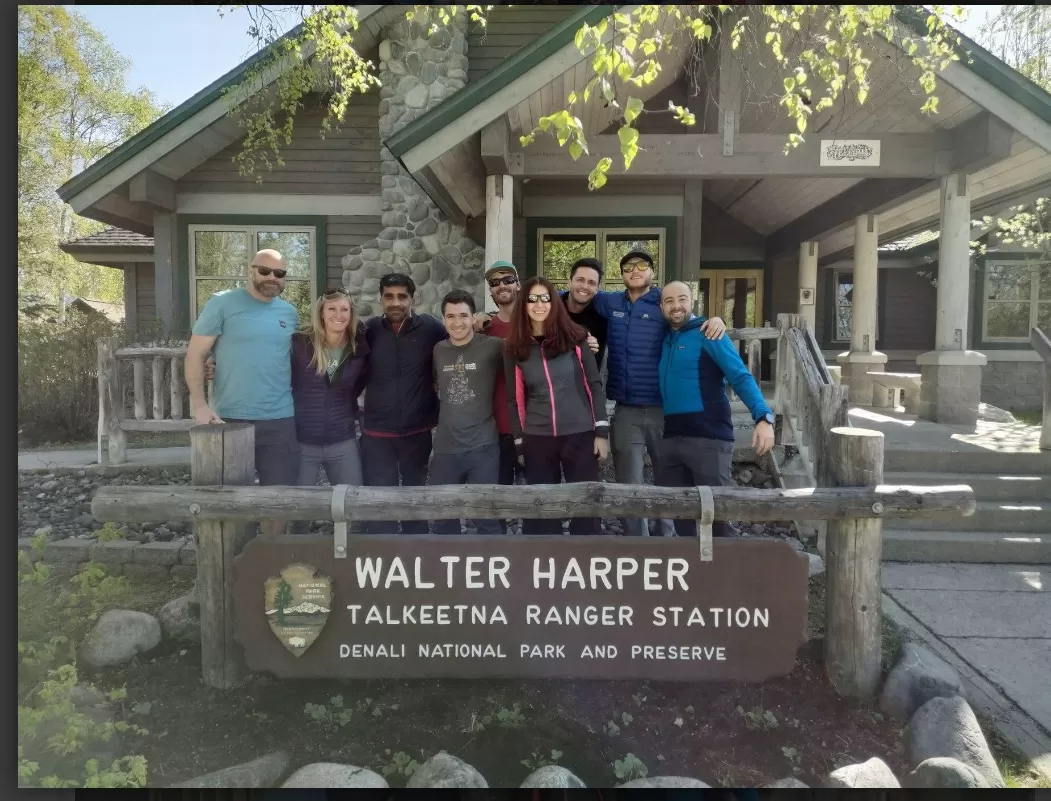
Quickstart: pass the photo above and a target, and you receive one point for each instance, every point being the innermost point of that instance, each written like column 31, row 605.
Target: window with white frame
column 220, row 254
column 1017, row 298
column 843, row 306
column 558, row 248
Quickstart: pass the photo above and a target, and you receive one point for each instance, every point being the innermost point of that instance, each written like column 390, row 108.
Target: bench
column 886, row 388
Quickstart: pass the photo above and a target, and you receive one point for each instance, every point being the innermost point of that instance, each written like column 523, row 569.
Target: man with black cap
column 635, row 337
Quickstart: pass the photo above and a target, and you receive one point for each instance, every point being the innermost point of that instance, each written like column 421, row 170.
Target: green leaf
column 863, row 94
column 630, row 43
column 629, row 144
column 632, row 110
column 624, row 71
column 801, row 123
column 572, row 99
column 575, row 150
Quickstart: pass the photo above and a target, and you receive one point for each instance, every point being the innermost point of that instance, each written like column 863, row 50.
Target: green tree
column 821, row 54
column 282, row 599
column 73, row 108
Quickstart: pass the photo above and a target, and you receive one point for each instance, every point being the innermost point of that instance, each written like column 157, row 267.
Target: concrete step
column 913, row 460
column 1005, row 516
column 965, row 546
column 991, row 487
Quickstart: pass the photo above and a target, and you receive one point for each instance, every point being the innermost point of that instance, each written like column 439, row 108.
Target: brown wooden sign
column 520, row 607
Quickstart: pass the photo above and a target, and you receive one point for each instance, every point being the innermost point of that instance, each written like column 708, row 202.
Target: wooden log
column 853, row 550
column 139, row 388
column 176, row 388
column 585, row 499
column 1045, row 432
column 158, row 388
column 832, row 413
column 112, row 441
column 222, row 455
column 765, row 332
column 158, row 425
column 754, row 349
column 819, row 360
column 782, row 396
column 164, row 353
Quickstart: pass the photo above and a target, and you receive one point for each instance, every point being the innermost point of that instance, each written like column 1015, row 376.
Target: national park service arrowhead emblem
column 297, row 606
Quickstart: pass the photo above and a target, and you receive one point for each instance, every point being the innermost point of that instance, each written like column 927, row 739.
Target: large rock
column 944, row 772
column 331, row 774
column 919, row 676
column 873, row 774
column 262, row 772
column 445, row 770
column 552, row 776
column 119, row 636
column 181, row 619
column 791, row 782
column 946, row 727
column 665, row 782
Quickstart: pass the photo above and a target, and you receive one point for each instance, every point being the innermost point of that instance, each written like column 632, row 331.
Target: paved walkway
column 137, row 457
column 993, row 624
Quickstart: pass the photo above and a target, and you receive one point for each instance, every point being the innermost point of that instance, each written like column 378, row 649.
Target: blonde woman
column 328, row 375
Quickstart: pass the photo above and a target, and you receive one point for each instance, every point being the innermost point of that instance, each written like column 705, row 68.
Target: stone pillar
column 951, row 375
column 417, row 72
column 808, row 282
column 863, row 356
column 499, row 223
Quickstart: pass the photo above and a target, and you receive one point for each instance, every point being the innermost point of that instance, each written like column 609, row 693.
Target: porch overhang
column 112, row 247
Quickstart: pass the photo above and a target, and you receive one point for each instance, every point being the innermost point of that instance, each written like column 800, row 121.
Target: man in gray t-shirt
column 466, row 445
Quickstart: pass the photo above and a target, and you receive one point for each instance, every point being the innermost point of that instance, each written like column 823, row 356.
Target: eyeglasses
column 507, row 280
column 265, row 271
column 545, row 298
column 334, row 293
column 632, row 266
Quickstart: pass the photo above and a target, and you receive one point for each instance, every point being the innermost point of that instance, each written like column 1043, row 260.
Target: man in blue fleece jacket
column 698, row 444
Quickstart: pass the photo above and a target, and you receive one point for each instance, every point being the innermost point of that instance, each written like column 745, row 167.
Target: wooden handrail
column 1042, row 345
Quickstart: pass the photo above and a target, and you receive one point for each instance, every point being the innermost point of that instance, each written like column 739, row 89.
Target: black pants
column 695, row 462
column 510, row 470
column 546, row 460
column 469, row 467
column 385, row 460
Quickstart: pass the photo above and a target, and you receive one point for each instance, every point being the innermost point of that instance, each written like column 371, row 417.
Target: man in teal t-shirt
column 250, row 330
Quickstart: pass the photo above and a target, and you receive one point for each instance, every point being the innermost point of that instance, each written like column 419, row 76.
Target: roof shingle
column 109, row 239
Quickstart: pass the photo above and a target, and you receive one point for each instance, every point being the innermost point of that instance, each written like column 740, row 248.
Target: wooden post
column 139, row 378
column 220, row 454
column 755, row 359
column 1045, row 432
column 158, row 388
column 853, row 551
column 176, row 389
column 112, row 445
column 781, row 396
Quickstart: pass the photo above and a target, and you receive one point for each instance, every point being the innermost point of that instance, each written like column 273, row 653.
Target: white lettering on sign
column 695, row 653
column 599, row 652
column 428, row 614
column 371, row 572
column 526, row 651
column 574, row 615
column 360, row 650
column 462, row 651
column 674, row 572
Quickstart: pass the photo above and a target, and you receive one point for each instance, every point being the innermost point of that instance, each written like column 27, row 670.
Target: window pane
column 221, row 252
column 618, row 245
column 559, row 253
column 1007, row 320
column 844, row 305
column 1043, row 318
column 208, row 287
column 298, row 294
column 1044, row 291
column 1008, row 282
column 738, row 309
column 702, row 292
column 295, row 247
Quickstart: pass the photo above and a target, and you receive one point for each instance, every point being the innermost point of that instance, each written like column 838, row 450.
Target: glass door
column 734, row 295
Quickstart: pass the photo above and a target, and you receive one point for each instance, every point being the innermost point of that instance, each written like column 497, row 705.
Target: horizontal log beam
column 547, row 501
column 157, row 425
column 164, row 353
column 496, row 146
column 925, row 155
column 740, row 334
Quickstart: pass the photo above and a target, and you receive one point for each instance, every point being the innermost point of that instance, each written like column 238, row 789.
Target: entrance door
column 734, row 295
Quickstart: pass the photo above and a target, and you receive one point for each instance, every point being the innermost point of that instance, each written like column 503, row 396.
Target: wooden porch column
column 499, row 224
column 863, row 356
column 808, row 280
column 951, row 383
column 166, row 271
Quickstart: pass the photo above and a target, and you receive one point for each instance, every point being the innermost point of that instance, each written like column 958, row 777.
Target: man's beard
column 271, row 290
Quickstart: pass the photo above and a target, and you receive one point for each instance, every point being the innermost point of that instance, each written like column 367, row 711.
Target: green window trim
column 978, row 341
column 182, row 226
column 670, row 225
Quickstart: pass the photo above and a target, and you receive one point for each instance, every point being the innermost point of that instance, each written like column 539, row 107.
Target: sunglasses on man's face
column 544, row 298
column 507, row 280
column 265, row 271
column 632, row 266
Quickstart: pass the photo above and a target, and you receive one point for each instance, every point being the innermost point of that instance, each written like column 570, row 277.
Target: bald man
column 698, row 444
column 250, row 329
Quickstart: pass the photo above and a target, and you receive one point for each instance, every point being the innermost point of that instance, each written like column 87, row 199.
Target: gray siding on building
column 145, row 294
column 341, row 234
column 507, row 31
column 345, row 162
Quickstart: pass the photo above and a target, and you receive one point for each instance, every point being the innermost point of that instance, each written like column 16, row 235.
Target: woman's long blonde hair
column 314, row 330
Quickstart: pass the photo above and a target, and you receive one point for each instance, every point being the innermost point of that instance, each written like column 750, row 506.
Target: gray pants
column 479, row 466
column 696, row 462
column 341, row 460
column 634, row 431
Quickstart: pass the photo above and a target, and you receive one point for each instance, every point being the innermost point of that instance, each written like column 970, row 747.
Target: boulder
column 262, row 772
column 552, row 776
column 665, row 782
column 918, row 676
column 119, row 636
column 946, row 727
column 181, row 619
column 331, row 774
column 873, row 774
column 945, row 772
column 790, row 782
column 445, row 770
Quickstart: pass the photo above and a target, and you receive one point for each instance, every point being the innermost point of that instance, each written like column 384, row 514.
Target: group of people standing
column 516, row 396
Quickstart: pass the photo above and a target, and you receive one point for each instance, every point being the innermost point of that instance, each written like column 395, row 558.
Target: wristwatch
column 766, row 418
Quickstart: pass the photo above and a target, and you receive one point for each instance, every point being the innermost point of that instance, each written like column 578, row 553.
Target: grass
column 1029, row 418
column 135, row 439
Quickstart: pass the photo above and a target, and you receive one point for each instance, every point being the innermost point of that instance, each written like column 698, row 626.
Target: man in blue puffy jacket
column 636, row 331
column 698, row 441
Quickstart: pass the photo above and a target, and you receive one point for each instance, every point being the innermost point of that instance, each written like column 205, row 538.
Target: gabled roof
column 110, row 239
